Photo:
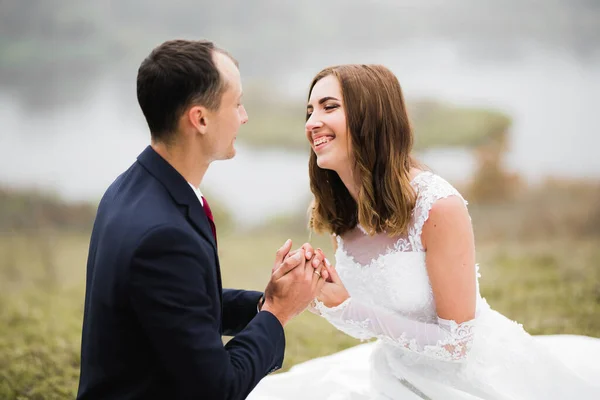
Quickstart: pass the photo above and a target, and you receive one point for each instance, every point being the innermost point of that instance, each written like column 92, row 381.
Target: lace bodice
column 390, row 294
column 419, row 355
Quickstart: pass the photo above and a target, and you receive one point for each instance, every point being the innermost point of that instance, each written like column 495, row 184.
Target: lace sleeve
column 445, row 340
column 431, row 188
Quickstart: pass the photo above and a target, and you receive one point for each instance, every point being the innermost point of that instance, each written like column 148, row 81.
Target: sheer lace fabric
column 391, row 298
column 444, row 340
column 419, row 355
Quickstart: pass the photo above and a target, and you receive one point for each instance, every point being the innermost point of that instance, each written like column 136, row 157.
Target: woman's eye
column 331, row 107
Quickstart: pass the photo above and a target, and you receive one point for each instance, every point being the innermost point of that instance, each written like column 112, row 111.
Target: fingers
column 318, row 258
column 335, row 278
column 308, row 250
column 309, row 271
column 326, row 268
column 317, row 274
column 320, row 284
column 317, row 255
column 289, row 264
column 291, row 253
column 283, row 251
column 319, row 251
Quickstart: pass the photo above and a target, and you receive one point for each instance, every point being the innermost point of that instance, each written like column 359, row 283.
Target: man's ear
column 198, row 117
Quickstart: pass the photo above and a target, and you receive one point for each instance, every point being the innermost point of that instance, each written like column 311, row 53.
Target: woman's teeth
column 321, row 140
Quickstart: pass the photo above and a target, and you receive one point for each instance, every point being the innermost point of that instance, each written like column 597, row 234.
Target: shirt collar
column 198, row 193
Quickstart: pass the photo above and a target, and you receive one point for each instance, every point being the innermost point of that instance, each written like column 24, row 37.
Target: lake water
column 553, row 99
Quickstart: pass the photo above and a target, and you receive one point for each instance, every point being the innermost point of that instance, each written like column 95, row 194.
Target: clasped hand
column 297, row 278
column 332, row 292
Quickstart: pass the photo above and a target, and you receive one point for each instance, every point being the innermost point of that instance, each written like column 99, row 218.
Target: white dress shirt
column 198, row 193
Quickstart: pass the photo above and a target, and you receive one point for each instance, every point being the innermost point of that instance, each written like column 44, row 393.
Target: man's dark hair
column 175, row 75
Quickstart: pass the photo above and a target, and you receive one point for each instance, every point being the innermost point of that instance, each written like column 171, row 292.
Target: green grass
column 39, row 345
column 550, row 286
column 41, row 308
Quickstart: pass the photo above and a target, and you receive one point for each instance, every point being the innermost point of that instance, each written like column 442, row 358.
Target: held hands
column 293, row 285
column 333, row 292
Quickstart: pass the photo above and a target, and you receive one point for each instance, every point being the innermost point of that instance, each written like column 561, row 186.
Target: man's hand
column 310, row 253
column 293, row 285
column 318, row 258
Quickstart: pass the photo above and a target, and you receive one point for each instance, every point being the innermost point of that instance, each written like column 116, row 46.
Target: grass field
column 539, row 255
column 550, row 286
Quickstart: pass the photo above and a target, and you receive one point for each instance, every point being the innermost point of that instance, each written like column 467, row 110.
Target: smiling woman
column 405, row 270
column 357, row 124
column 323, row 122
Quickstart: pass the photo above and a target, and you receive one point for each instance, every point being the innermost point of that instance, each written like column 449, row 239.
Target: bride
column 405, row 271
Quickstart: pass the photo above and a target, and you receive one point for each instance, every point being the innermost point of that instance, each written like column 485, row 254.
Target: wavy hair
column 381, row 142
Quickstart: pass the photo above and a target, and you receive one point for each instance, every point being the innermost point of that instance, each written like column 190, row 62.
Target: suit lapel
column 199, row 220
column 183, row 195
column 180, row 191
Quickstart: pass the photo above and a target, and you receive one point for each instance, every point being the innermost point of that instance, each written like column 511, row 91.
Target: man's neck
column 189, row 164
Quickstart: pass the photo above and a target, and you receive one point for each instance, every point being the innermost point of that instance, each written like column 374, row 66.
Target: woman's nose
column 313, row 123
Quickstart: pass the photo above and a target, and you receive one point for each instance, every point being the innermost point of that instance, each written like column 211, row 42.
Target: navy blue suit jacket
column 154, row 307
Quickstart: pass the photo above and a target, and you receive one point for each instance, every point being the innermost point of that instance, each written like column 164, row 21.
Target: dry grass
column 539, row 257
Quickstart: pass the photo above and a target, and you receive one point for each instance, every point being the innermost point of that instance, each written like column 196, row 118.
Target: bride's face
column 326, row 128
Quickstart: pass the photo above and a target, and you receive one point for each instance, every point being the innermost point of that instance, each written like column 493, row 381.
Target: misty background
column 70, row 120
column 502, row 96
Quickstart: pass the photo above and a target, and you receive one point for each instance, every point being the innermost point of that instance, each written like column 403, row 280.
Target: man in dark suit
column 154, row 307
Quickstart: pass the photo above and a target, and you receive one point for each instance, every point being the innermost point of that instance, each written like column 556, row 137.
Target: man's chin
column 232, row 152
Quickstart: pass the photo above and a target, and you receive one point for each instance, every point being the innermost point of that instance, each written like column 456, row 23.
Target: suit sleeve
column 239, row 307
column 170, row 291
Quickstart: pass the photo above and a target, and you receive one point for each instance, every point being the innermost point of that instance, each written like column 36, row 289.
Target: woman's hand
column 333, row 292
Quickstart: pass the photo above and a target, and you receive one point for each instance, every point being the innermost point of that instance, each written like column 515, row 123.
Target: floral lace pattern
column 458, row 343
column 418, row 355
column 391, row 296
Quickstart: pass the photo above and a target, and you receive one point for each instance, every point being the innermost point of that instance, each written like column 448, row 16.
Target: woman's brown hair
column 381, row 141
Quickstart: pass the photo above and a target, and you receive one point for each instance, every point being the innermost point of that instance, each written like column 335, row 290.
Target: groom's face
column 225, row 122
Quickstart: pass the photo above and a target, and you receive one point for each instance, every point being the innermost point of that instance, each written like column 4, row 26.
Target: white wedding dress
column 419, row 355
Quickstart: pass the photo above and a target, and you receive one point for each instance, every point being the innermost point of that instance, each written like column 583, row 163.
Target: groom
column 154, row 307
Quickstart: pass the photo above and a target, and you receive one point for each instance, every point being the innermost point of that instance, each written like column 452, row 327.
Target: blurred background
column 503, row 96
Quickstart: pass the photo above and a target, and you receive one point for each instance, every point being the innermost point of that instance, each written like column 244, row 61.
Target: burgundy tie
column 209, row 214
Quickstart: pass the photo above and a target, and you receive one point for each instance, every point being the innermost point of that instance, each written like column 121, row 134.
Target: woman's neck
column 349, row 180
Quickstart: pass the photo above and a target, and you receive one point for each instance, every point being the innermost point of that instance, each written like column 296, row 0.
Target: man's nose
column 244, row 115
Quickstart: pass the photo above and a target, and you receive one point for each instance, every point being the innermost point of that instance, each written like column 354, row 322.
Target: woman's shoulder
column 431, row 187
